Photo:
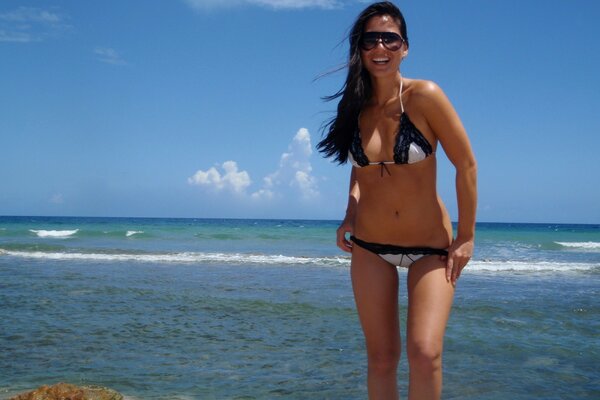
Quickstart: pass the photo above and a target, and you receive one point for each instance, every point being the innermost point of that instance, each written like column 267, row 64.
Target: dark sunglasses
column 390, row 40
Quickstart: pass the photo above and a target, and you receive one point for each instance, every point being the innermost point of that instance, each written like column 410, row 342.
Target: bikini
column 398, row 255
column 411, row 146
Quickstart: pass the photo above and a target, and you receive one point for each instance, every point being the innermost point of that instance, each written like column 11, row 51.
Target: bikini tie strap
column 383, row 166
column 400, row 94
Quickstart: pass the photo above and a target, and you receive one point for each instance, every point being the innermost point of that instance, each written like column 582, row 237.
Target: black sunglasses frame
column 388, row 39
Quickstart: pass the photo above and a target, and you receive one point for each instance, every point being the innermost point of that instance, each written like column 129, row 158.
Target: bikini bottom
column 398, row 255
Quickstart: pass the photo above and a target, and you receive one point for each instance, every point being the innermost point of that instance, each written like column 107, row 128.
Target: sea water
column 263, row 309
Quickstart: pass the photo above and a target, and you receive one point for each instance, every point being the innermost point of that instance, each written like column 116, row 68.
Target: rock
column 66, row 391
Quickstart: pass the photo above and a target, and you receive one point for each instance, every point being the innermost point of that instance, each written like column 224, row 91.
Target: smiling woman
column 389, row 127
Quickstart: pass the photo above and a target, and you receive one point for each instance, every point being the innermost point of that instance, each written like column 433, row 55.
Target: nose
column 380, row 42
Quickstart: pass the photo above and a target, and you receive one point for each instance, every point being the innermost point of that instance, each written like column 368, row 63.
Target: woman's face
column 380, row 61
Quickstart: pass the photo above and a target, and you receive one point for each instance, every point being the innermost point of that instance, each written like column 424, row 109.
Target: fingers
column 454, row 267
column 449, row 265
column 345, row 245
column 341, row 240
column 455, row 272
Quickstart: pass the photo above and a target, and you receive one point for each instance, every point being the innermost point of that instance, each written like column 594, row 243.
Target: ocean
column 263, row 309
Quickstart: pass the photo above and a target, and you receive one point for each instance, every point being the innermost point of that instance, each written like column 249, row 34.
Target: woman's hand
column 347, row 226
column 459, row 254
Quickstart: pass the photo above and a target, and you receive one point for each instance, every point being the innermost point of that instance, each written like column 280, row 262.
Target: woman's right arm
column 347, row 225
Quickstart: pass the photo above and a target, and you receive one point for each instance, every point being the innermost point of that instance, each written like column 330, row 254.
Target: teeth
column 381, row 59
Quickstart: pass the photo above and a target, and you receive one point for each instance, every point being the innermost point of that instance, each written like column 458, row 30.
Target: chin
column 387, row 73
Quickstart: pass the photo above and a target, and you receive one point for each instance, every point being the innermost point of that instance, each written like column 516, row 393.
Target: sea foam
column 529, row 266
column 474, row 266
column 581, row 245
column 54, row 234
column 184, row 258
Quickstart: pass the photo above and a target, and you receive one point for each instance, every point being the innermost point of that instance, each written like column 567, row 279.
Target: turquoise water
column 257, row 309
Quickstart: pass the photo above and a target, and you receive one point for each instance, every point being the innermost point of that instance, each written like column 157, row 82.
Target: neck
column 385, row 88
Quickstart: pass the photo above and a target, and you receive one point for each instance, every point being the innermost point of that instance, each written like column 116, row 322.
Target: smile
column 381, row 61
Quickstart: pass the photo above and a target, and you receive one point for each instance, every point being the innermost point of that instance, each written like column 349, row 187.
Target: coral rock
column 65, row 391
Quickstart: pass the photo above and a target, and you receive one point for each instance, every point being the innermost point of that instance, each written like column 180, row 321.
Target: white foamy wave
column 581, row 245
column 270, row 259
column 54, row 234
column 525, row 266
column 131, row 233
column 184, row 258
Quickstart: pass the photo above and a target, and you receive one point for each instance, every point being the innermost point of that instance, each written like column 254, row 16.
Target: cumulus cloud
column 307, row 184
column 273, row 4
column 293, row 173
column 295, row 168
column 231, row 179
column 109, row 56
column 30, row 24
column 263, row 194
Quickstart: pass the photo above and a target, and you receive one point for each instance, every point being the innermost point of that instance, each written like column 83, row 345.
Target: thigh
column 375, row 285
column 429, row 301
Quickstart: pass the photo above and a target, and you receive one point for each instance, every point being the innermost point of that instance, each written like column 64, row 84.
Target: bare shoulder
column 428, row 100
column 424, row 91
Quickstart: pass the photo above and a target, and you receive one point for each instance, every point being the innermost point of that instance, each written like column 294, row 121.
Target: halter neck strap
column 400, row 94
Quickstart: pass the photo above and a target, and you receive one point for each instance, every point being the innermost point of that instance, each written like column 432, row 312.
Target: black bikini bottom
column 398, row 255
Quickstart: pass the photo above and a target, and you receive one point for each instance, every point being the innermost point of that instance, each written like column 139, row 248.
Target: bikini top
column 411, row 145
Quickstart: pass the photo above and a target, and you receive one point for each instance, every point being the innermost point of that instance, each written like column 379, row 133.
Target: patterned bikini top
column 411, row 145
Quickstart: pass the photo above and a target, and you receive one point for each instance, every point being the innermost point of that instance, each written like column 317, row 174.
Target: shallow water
column 258, row 328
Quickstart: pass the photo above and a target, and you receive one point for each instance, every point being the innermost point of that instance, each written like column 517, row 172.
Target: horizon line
column 274, row 219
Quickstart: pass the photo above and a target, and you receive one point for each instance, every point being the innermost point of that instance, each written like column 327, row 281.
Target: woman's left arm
column 446, row 125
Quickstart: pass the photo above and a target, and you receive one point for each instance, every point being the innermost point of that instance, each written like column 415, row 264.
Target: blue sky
column 192, row 108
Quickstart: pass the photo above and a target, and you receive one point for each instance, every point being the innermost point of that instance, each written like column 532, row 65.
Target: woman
column 389, row 128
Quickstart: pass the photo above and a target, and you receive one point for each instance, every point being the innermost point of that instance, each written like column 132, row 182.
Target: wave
column 531, row 266
column 54, row 234
column 182, row 258
column 272, row 259
column 84, row 233
column 581, row 245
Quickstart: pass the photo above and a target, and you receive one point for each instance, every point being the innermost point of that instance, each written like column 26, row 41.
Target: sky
column 213, row 108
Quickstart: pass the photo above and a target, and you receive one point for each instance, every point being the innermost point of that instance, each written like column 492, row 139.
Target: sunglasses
column 390, row 40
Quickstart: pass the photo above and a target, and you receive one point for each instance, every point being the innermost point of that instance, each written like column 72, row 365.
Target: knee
column 426, row 358
column 384, row 362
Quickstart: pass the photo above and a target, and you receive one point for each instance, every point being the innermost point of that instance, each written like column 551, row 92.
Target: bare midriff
column 402, row 207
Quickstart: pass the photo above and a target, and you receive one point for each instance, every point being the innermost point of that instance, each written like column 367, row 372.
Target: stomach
column 402, row 208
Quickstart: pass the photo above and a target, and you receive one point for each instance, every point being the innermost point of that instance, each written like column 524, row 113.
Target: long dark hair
column 357, row 89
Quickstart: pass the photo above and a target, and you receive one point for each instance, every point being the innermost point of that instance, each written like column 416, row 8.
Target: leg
column 375, row 284
column 429, row 301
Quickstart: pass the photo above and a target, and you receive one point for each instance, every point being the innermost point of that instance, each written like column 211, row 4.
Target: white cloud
column 109, row 56
column 263, row 194
column 295, row 168
column 30, row 24
column 31, row 14
column 273, row 4
column 306, row 183
column 296, row 4
column 294, row 172
column 16, row 37
column 231, row 179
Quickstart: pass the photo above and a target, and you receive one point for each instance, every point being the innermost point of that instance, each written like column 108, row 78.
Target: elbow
column 468, row 165
column 472, row 166
column 466, row 173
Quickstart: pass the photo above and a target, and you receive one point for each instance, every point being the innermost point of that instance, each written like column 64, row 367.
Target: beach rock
column 66, row 391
